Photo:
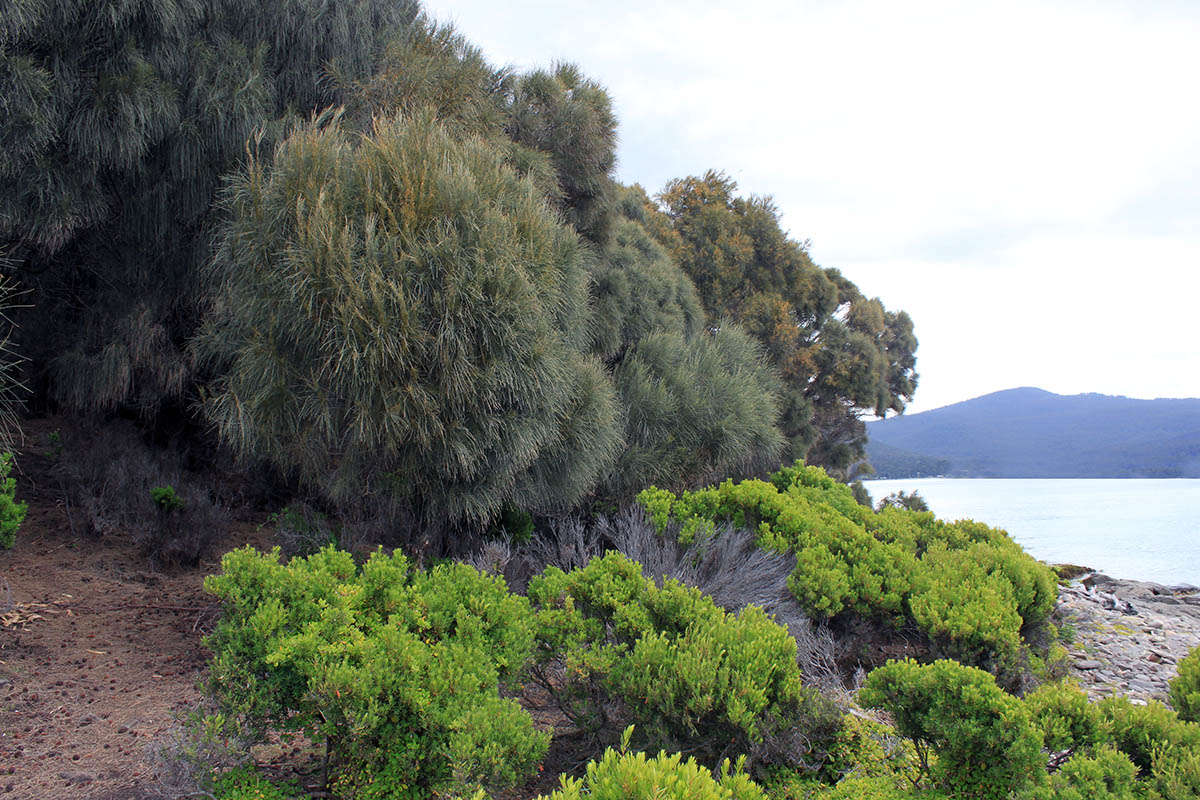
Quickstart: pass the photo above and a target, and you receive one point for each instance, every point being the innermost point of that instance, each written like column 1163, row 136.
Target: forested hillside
column 1030, row 433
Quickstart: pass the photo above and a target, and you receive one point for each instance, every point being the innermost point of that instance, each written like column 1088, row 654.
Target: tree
column 402, row 317
column 840, row 354
column 118, row 123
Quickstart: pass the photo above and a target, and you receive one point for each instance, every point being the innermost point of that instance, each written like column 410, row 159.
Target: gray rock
column 1088, row 664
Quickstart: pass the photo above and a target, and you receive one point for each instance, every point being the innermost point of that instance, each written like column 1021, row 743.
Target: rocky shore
column 1127, row 636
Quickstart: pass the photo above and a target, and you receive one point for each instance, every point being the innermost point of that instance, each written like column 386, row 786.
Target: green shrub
column 1106, row 774
column 12, row 513
column 1174, row 772
column 862, row 787
column 1137, row 730
column 397, row 670
column 633, row 776
column 969, row 587
column 166, row 499
column 690, row 674
column 246, row 784
column 1185, row 687
column 864, row 748
column 402, row 317
column 985, row 742
column 1068, row 721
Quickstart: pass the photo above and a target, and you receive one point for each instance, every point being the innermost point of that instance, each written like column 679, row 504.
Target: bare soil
column 100, row 654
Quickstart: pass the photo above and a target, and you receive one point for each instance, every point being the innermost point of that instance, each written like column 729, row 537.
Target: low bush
column 1137, row 730
column 1185, row 687
column 634, row 776
column 1106, row 774
column 969, row 587
column 12, row 513
column 1067, row 720
column 986, row 744
column 113, row 481
column 613, row 647
column 396, row 669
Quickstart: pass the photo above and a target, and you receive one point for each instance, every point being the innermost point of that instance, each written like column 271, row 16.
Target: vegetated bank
column 326, row 260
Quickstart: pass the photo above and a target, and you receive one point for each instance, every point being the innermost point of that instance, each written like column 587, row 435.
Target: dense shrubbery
column 1185, row 687
column 968, row 586
column 691, row 675
column 633, row 776
column 986, row 744
column 397, row 670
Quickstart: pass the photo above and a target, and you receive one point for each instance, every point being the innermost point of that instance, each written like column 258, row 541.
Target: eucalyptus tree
column 839, row 354
column 401, row 316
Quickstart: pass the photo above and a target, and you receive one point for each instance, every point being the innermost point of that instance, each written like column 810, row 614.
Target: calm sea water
column 1140, row 529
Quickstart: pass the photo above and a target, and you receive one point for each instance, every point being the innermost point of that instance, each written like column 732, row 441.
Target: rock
column 1098, row 579
column 1088, row 664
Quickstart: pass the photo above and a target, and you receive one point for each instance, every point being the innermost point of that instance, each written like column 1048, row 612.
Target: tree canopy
column 339, row 237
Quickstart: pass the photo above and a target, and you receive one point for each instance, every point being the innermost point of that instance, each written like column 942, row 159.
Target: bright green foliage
column 1175, row 772
column 867, row 749
column 1138, row 731
column 633, row 776
column 859, row 787
column 1068, row 721
column 398, row 670
column 1106, row 774
column 402, row 317
column 834, row 366
column 12, row 513
column 968, row 586
column 986, row 744
column 166, row 498
column 245, row 784
column 691, row 675
column 1185, row 687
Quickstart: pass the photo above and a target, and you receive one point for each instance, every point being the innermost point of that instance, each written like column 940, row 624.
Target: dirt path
column 97, row 653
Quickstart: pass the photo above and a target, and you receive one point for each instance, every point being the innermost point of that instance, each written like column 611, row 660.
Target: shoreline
column 1128, row 635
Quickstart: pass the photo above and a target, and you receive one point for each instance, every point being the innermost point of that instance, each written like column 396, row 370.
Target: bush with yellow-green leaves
column 969, row 587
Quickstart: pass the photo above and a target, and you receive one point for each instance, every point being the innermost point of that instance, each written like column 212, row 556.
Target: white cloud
column 1023, row 178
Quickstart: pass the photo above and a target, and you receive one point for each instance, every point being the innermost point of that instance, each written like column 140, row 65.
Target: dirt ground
column 100, row 654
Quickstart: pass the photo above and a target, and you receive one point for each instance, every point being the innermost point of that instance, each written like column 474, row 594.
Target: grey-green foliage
column 402, row 316
column 568, row 116
column 639, row 290
column 696, row 410
column 117, row 121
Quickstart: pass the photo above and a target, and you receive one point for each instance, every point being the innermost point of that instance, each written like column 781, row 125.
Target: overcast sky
column 1023, row 177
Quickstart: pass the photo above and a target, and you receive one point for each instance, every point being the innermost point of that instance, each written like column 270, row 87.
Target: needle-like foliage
column 402, row 316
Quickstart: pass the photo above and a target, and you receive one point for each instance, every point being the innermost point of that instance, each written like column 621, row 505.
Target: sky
column 1023, row 178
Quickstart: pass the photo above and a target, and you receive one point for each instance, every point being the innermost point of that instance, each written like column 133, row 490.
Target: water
column 1140, row 529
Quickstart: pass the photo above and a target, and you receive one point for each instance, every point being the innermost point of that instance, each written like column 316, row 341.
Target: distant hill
column 1032, row 433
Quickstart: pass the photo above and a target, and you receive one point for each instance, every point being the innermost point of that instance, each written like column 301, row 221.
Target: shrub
column 397, row 670
column 864, row 748
column 166, row 499
column 1185, row 687
column 12, row 513
column 401, row 317
column 986, row 744
column 1106, row 774
column 633, row 776
column 246, row 784
column 1068, row 721
column 1137, row 730
column 969, row 587
column 1175, row 772
column 690, row 674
